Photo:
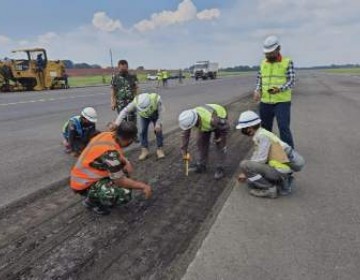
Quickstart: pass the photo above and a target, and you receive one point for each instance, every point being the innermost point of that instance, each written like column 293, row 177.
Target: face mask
column 272, row 59
column 245, row 131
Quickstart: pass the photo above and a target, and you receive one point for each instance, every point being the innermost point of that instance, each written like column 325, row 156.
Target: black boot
column 219, row 173
column 197, row 168
column 96, row 207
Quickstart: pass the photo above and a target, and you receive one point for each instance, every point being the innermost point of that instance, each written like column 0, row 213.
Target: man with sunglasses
column 102, row 172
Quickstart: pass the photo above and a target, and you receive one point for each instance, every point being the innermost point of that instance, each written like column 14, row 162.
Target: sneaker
column 269, row 193
column 219, row 173
column 197, row 168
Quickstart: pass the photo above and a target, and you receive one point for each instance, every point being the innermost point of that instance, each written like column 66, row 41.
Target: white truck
column 205, row 70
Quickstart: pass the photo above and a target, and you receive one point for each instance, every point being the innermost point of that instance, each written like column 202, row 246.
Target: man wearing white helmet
column 274, row 85
column 78, row 131
column 208, row 119
column 149, row 108
column 270, row 167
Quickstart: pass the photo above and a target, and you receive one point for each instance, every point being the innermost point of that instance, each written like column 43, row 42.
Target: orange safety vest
column 82, row 174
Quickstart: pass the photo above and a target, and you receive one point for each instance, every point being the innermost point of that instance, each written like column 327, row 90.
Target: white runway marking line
column 49, row 99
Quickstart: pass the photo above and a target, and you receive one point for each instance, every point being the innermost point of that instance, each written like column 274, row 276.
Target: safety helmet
column 143, row 102
column 90, row 114
column 248, row 119
column 270, row 44
column 187, row 119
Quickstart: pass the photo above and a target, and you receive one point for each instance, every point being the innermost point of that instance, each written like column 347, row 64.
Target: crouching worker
column 102, row 173
column 78, row 131
column 149, row 107
column 208, row 119
column 269, row 171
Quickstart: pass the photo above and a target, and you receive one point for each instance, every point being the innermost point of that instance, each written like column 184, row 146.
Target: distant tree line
column 240, row 68
column 332, row 66
column 246, row 68
column 71, row 65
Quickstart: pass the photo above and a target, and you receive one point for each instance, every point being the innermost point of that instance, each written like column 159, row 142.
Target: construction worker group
column 102, row 173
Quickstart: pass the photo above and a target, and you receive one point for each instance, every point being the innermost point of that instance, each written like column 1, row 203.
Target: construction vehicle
column 32, row 72
column 205, row 70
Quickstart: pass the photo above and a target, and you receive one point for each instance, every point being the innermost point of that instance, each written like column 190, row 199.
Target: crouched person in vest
column 78, row 131
column 270, row 168
column 102, row 173
column 149, row 107
column 208, row 119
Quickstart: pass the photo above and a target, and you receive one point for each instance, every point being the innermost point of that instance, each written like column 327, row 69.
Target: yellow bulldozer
column 32, row 72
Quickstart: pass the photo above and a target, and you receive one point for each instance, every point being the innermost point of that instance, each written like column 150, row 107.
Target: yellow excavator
column 32, row 72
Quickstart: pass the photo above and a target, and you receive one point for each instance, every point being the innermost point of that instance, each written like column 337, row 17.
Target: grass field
column 83, row 81
column 355, row 71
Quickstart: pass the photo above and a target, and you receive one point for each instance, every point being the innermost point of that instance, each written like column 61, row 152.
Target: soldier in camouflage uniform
column 124, row 89
column 102, row 173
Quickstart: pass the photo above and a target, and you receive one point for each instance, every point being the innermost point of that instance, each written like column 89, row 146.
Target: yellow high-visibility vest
column 205, row 113
column 154, row 99
column 274, row 75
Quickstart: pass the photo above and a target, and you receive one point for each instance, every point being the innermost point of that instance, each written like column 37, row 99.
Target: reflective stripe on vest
column 82, row 174
column 274, row 75
column 281, row 167
column 206, row 112
column 154, row 98
column 76, row 121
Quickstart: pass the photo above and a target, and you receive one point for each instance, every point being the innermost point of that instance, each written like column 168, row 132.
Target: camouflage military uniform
column 105, row 191
column 125, row 86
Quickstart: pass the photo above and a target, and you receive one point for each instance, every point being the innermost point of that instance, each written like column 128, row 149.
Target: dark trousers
column 203, row 143
column 282, row 113
column 145, row 122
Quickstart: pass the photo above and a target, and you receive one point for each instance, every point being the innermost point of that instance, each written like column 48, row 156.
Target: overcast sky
column 173, row 34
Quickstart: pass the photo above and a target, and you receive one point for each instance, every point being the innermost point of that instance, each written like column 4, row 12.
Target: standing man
column 275, row 81
column 102, row 173
column 207, row 118
column 165, row 77
column 149, row 107
column 124, row 89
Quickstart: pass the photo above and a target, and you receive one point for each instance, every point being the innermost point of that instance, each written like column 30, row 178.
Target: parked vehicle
column 205, row 70
column 151, row 77
column 176, row 75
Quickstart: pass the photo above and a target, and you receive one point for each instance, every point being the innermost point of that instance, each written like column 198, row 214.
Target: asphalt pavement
column 313, row 234
column 31, row 124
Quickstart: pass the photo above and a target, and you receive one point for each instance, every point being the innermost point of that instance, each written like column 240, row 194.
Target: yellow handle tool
column 187, row 158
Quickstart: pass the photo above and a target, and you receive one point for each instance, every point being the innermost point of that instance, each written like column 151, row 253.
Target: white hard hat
column 270, row 44
column 248, row 119
column 187, row 119
column 90, row 114
column 143, row 101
